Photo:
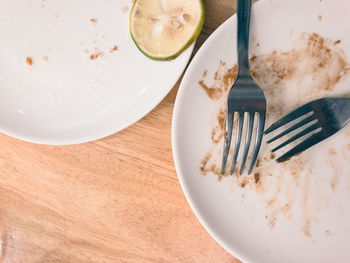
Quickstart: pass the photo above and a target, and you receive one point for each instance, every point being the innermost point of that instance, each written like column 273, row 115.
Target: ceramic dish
column 294, row 212
column 86, row 80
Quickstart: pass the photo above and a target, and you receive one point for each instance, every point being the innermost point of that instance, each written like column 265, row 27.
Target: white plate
column 70, row 98
column 301, row 213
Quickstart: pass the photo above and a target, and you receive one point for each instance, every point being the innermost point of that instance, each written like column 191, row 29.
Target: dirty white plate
column 300, row 213
column 65, row 97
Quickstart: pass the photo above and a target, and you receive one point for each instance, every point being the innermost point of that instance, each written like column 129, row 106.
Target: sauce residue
column 314, row 68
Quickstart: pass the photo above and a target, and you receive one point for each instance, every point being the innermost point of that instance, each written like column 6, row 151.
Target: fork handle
column 243, row 17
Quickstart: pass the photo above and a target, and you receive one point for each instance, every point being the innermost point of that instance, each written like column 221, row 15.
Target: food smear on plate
column 97, row 54
column 316, row 67
column 113, row 49
column 93, row 21
column 29, row 61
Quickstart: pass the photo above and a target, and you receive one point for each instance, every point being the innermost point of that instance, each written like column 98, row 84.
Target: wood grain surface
column 113, row 200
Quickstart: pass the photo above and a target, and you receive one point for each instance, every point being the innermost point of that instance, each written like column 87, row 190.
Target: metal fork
column 245, row 97
column 327, row 116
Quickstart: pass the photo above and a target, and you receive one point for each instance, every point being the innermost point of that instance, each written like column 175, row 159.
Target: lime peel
column 163, row 29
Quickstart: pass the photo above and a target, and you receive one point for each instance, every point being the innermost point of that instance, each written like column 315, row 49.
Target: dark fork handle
column 243, row 15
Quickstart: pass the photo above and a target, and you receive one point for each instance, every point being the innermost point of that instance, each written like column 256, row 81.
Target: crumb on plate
column 113, row 49
column 29, row 61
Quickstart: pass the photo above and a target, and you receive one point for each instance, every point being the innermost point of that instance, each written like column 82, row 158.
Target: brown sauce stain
column 93, row 21
column 29, row 61
column 332, row 151
column 272, row 223
column 205, row 73
column 257, row 164
column 97, row 54
column 113, row 49
column 313, row 57
column 244, row 183
column 257, row 177
column 213, row 93
column 218, row 131
column 306, row 228
column 335, row 181
column 204, row 163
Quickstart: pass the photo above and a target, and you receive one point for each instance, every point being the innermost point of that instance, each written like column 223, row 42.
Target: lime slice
column 163, row 29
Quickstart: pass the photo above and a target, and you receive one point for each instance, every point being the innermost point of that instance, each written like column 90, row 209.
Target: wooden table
column 113, row 200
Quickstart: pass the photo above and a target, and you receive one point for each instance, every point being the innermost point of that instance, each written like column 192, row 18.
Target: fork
column 325, row 117
column 244, row 98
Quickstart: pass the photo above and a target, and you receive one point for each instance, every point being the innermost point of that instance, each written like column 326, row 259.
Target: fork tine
column 228, row 138
column 259, row 136
column 247, row 141
column 238, row 140
column 311, row 141
column 289, row 117
column 297, row 136
column 294, row 127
